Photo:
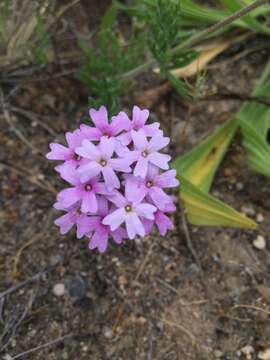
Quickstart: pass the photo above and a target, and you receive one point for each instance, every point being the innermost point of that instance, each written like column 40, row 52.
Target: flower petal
column 115, row 219
column 141, row 167
column 65, row 222
column 100, row 239
column 110, row 178
column 88, row 150
column 167, row 179
column 90, row 133
column 103, row 206
column 70, row 196
column 89, row 202
column 74, row 139
column 146, row 210
column 139, row 117
column 160, row 160
column 86, row 224
column 99, row 117
column 118, row 235
column 160, row 199
column 163, row 223
column 135, row 191
column 139, row 139
column 89, row 170
column 134, row 226
column 59, row 152
column 106, row 147
column 122, row 165
column 68, row 173
column 152, row 129
column 158, row 142
column 119, row 123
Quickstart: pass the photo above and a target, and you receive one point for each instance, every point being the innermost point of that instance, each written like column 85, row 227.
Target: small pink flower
column 100, row 233
column 67, row 154
column 102, row 125
column 129, row 212
column 101, row 161
column 72, row 217
column 138, row 122
column 152, row 186
column 85, row 193
column 148, row 152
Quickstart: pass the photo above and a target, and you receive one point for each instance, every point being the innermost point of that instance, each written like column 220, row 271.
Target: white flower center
column 128, row 208
column 103, row 162
column 145, row 153
column 88, row 187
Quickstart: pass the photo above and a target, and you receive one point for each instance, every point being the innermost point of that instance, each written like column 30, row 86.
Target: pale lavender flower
column 148, row 152
column 161, row 220
column 64, row 153
column 85, row 193
column 101, row 161
column 129, row 212
column 100, row 233
column 152, row 186
column 102, row 125
column 73, row 216
column 139, row 118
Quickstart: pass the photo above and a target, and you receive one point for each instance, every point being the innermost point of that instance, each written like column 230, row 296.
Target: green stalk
column 198, row 37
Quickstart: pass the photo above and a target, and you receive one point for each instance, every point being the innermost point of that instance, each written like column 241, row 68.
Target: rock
column 108, row 333
column 239, row 186
column 59, row 289
column 55, row 260
column 259, row 243
column 248, row 350
column 259, row 218
column 76, row 286
column 122, row 280
column 218, row 354
column 264, row 355
column 7, row 357
column 248, row 210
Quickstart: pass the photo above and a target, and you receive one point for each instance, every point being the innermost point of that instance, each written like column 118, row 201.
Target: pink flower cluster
column 116, row 180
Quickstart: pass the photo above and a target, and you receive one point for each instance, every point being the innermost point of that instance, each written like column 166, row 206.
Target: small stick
column 22, row 284
column 22, row 172
column 188, row 238
column 50, row 343
column 33, row 117
column 16, row 131
column 143, row 263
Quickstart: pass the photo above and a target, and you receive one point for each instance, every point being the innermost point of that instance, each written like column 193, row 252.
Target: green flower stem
column 198, row 37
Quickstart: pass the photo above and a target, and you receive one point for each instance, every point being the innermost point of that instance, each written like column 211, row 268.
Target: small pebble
column 259, row 243
column 59, row 290
column 108, row 333
column 76, row 286
column 239, row 186
column 264, row 355
column 248, row 210
column 218, row 354
column 248, row 350
column 7, row 357
column 259, row 218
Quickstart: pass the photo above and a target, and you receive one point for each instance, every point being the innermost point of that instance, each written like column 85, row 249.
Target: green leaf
column 178, row 84
column 204, row 209
column 249, row 19
column 199, row 166
column 255, row 124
